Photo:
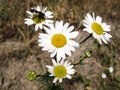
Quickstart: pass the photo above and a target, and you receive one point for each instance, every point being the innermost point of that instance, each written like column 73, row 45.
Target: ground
column 20, row 53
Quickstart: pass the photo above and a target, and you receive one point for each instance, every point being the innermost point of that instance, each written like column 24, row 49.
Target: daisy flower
column 60, row 70
column 97, row 28
column 110, row 69
column 39, row 16
column 58, row 40
column 104, row 75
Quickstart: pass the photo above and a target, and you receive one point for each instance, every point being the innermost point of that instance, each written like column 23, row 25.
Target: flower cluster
column 108, row 71
column 58, row 38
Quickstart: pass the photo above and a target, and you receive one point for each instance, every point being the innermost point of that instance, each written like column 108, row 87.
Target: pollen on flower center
column 38, row 17
column 97, row 28
column 60, row 71
column 58, row 40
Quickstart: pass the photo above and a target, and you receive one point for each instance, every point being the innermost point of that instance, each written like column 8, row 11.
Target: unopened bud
column 88, row 53
column 31, row 75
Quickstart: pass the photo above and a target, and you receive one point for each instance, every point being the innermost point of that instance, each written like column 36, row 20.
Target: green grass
column 12, row 28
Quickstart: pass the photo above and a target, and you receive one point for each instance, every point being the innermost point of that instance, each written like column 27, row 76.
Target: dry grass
column 19, row 52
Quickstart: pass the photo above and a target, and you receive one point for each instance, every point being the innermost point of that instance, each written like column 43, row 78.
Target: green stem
column 85, row 39
column 81, row 59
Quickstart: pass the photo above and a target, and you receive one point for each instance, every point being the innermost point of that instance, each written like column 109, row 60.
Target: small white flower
column 104, row 75
column 60, row 70
column 111, row 69
column 97, row 28
column 59, row 40
column 39, row 16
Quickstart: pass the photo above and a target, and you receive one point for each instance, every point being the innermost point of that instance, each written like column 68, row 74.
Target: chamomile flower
column 97, row 28
column 39, row 16
column 110, row 69
column 60, row 70
column 104, row 75
column 58, row 40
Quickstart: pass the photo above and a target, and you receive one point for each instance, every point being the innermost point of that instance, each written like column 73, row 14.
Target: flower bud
column 31, row 75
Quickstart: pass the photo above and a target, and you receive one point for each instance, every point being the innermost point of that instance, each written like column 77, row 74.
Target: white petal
column 62, row 62
column 68, row 76
column 55, row 80
column 67, row 51
column 36, row 27
column 54, row 62
column 97, row 37
column 89, row 17
column 48, row 13
column 29, row 12
column 51, row 75
column 70, row 29
column 44, row 9
column 72, row 34
column 49, row 17
column 106, row 27
column 71, row 48
column 108, row 35
column 73, row 43
column 60, row 80
column 38, row 8
column 50, row 68
column 47, row 22
column 59, row 55
column 47, row 30
column 53, row 53
column 65, row 26
column 70, row 67
column 65, row 63
column 28, row 21
column 52, row 28
column 103, row 38
column 99, row 40
column 98, row 19
column 71, row 71
column 88, row 29
column 59, row 26
column 44, row 36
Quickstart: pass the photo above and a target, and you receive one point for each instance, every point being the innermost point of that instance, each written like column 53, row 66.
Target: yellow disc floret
column 97, row 28
column 60, row 71
column 58, row 40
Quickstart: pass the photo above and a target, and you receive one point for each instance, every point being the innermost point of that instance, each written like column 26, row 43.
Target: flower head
column 58, row 40
column 97, row 28
column 31, row 75
column 110, row 69
column 60, row 69
column 104, row 75
column 39, row 16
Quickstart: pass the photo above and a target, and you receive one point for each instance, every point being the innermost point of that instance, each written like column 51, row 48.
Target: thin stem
column 81, row 59
column 23, row 35
column 24, row 38
column 85, row 39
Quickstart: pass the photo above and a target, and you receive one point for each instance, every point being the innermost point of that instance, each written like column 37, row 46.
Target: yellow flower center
column 58, row 40
column 97, row 28
column 38, row 17
column 60, row 71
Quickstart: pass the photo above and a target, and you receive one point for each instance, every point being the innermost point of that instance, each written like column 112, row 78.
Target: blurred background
column 20, row 53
